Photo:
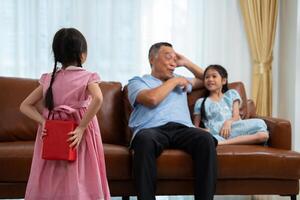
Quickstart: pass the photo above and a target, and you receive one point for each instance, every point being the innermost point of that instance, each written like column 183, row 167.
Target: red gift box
column 55, row 144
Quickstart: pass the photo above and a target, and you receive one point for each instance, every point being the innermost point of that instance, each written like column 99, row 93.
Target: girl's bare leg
column 258, row 137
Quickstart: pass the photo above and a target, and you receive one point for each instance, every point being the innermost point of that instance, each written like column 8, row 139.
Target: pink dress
column 85, row 178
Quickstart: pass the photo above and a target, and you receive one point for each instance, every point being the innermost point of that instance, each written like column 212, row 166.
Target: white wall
column 297, row 89
column 288, row 69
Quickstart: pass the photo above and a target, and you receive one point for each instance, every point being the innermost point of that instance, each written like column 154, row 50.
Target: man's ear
column 151, row 61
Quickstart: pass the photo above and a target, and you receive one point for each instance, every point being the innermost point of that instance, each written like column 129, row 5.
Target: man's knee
column 143, row 140
column 204, row 136
column 205, row 140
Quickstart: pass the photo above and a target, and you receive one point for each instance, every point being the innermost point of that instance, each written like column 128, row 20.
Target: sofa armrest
column 279, row 129
column 280, row 132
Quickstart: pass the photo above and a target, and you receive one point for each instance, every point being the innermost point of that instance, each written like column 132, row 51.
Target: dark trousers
column 148, row 144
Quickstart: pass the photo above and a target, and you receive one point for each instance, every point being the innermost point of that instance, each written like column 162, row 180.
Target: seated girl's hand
column 226, row 129
column 76, row 137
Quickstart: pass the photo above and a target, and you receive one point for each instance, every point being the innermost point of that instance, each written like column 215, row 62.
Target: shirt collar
column 73, row 68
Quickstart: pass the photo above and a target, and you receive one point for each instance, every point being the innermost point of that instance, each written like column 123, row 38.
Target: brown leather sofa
column 242, row 169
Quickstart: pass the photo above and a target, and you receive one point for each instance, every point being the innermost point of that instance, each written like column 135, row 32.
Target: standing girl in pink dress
column 70, row 92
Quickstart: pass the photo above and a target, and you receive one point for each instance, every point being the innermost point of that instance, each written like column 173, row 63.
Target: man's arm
column 153, row 97
column 196, row 83
column 192, row 67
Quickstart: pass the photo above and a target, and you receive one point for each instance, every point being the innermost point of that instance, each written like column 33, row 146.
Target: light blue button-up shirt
column 174, row 108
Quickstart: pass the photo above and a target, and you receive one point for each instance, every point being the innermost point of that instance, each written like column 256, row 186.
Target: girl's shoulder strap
column 199, row 101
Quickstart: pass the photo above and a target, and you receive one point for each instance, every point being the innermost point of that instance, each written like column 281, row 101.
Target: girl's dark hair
column 223, row 73
column 68, row 46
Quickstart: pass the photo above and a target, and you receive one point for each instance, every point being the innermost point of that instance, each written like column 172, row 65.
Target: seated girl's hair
column 223, row 73
column 68, row 46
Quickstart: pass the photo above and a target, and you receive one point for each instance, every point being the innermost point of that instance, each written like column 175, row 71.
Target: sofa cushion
column 235, row 162
column 127, row 111
column 15, row 159
column 256, row 161
column 118, row 161
column 14, row 125
column 111, row 114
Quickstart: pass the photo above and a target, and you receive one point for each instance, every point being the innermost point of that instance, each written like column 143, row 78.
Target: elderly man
column 161, row 119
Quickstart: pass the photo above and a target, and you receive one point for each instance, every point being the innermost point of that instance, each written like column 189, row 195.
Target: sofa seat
column 253, row 161
column 15, row 159
column 118, row 162
column 256, row 161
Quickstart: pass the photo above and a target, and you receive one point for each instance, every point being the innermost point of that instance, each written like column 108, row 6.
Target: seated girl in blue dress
column 219, row 112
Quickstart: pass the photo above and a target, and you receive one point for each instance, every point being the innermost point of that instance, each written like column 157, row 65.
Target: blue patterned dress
column 217, row 112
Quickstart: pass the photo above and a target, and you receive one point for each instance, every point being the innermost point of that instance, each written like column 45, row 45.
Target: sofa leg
column 125, row 197
column 293, row 197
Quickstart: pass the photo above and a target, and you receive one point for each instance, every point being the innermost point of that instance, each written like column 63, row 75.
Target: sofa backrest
column 113, row 116
column 111, row 113
column 192, row 97
column 15, row 126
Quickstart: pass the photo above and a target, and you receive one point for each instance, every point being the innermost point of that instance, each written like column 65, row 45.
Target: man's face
column 164, row 63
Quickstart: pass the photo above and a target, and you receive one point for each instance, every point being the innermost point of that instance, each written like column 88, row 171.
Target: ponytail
column 202, row 110
column 78, row 60
column 49, row 94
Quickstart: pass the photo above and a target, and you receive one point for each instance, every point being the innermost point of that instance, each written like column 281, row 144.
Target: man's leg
column 147, row 145
column 201, row 146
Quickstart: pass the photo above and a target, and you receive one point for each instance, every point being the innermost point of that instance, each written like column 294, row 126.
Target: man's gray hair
column 155, row 48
